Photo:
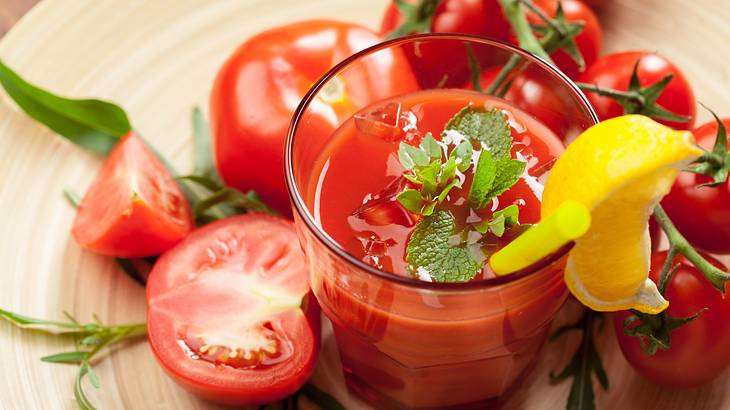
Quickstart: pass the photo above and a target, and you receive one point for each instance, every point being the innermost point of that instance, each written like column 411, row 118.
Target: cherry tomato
column 134, row 208
column 702, row 214
column 614, row 71
column 447, row 64
column 257, row 90
column 698, row 352
column 589, row 41
column 534, row 96
column 230, row 313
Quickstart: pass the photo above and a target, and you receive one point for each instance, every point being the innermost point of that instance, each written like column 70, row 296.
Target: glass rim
column 332, row 245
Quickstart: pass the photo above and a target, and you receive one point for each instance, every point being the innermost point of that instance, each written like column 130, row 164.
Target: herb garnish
column 434, row 247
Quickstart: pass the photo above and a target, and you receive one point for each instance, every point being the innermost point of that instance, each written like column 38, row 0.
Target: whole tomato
column 589, row 41
column 699, row 349
column 260, row 85
column 702, row 214
column 447, row 64
column 614, row 71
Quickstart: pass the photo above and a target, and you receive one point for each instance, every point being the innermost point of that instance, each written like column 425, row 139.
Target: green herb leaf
column 93, row 124
column 585, row 362
column 428, row 209
column 445, row 192
column 448, row 170
column 489, row 127
column 429, row 248
column 411, row 200
column 508, row 173
column 81, row 399
column 68, row 357
column 240, row 202
column 481, row 185
column 503, row 219
column 429, row 177
column 204, row 162
column 321, row 398
column 431, row 147
column 463, row 154
column 410, row 156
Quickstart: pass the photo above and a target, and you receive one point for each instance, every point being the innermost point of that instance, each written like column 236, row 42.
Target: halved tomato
column 134, row 208
column 230, row 313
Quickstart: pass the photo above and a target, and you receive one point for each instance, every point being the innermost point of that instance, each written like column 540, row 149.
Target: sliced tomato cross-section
column 230, row 312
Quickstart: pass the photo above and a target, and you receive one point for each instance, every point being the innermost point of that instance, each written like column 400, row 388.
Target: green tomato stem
column 714, row 275
column 615, row 94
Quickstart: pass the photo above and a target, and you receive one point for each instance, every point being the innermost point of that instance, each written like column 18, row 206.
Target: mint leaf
column 463, row 153
column 411, row 200
column 429, row 177
column 484, row 178
column 448, row 171
column 508, row 173
column 431, row 147
column 444, row 192
column 503, row 219
column 489, row 127
column 410, row 156
column 429, row 248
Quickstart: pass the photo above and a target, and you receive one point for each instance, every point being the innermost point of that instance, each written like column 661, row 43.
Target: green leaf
column 411, row 200
column 68, row 357
column 204, row 162
column 445, row 192
column 429, row 248
column 429, row 177
column 508, row 173
column 481, row 185
column 448, row 171
column 489, row 127
column 49, row 326
column 321, row 398
column 463, row 153
column 81, row 399
column 242, row 203
column 93, row 124
column 431, row 146
column 410, row 156
column 585, row 362
column 503, row 219
column 73, row 198
column 428, row 209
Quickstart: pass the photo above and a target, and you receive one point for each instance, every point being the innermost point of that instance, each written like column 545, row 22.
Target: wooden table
column 157, row 59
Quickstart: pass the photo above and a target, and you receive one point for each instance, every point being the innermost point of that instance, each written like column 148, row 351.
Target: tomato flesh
column 702, row 213
column 230, row 314
column 134, row 208
column 698, row 352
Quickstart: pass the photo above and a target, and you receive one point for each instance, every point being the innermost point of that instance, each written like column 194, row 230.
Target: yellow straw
column 570, row 221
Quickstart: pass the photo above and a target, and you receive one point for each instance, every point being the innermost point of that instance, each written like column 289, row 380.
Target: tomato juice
column 406, row 341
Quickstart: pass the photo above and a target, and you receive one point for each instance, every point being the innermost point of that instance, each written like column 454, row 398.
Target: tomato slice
column 134, row 207
column 230, row 313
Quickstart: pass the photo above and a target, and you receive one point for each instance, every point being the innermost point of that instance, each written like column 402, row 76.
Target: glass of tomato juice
column 409, row 340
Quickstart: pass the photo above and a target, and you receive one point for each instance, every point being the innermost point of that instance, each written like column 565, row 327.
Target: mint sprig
column 432, row 177
column 490, row 127
column 430, row 248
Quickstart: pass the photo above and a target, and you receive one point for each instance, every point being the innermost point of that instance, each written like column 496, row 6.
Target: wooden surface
column 157, row 59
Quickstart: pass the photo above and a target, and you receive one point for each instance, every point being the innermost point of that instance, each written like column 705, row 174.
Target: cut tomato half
column 134, row 208
column 230, row 312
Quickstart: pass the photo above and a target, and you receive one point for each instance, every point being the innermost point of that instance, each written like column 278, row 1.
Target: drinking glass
column 406, row 343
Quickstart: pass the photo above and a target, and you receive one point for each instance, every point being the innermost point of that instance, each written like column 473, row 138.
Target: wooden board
column 157, row 59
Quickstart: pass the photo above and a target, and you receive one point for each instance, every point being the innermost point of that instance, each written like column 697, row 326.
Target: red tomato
column 133, row 208
column 702, row 214
column 532, row 95
column 230, row 316
column 589, row 41
column 614, row 71
column 698, row 352
column 257, row 90
column 447, row 64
